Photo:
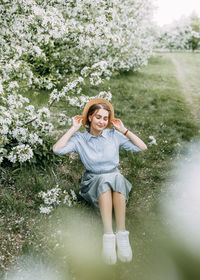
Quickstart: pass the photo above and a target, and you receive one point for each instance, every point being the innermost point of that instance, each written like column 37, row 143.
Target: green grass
column 150, row 103
column 192, row 71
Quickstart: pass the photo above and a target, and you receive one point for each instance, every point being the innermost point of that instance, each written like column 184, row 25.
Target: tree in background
column 194, row 41
column 183, row 34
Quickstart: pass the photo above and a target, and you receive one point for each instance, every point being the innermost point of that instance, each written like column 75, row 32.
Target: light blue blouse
column 98, row 153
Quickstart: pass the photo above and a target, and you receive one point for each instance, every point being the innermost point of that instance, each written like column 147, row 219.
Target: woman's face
column 99, row 120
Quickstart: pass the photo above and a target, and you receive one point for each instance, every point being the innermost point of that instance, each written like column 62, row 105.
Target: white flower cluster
column 55, row 197
column 72, row 88
column 20, row 153
column 153, row 140
column 22, row 128
column 62, row 119
column 96, row 72
column 82, row 99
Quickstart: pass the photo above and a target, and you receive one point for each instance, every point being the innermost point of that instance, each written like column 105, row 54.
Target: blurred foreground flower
column 32, row 268
column 181, row 211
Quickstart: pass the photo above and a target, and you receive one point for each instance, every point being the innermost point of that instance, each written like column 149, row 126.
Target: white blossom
column 153, row 140
column 45, row 209
column 54, row 197
column 21, row 153
column 74, row 197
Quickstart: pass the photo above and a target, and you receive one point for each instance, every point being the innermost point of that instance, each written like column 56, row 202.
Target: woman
column 102, row 184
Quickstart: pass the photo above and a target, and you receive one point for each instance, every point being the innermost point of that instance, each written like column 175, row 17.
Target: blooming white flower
column 74, row 197
column 4, row 129
column 21, row 153
column 34, row 139
column 12, row 157
column 105, row 94
column 153, row 140
column 45, row 209
column 1, row 87
column 13, row 84
column 54, row 197
column 20, row 134
column 44, row 112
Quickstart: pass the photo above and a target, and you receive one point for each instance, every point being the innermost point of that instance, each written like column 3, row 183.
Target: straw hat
column 96, row 101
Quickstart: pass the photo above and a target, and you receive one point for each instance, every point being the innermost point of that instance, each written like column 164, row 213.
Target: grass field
column 150, row 102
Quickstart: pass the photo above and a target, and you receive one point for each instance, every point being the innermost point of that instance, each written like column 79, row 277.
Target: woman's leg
column 105, row 205
column 109, row 241
column 119, row 203
column 124, row 250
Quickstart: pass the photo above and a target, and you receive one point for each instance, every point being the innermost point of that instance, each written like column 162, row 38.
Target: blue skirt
column 94, row 184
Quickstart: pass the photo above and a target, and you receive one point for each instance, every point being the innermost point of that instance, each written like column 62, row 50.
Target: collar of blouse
column 89, row 136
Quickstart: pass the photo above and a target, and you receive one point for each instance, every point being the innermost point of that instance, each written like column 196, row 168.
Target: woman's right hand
column 62, row 142
column 77, row 121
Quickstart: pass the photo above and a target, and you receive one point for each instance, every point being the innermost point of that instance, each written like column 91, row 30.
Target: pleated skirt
column 94, row 184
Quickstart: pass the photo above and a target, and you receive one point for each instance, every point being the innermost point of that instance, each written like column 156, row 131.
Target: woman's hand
column 118, row 124
column 62, row 142
column 77, row 121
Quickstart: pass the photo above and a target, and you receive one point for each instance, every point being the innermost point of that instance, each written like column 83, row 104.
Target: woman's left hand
column 118, row 124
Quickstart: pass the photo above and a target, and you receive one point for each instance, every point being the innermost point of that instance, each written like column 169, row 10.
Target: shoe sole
column 108, row 260
column 124, row 259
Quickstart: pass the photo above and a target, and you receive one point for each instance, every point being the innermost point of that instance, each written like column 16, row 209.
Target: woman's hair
column 95, row 107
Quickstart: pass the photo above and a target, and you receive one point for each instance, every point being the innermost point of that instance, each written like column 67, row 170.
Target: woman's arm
column 62, row 142
column 117, row 123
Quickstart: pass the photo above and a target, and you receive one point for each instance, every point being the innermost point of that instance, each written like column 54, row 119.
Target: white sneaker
column 124, row 250
column 109, row 251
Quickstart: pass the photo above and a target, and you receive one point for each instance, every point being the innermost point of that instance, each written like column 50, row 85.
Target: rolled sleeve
column 69, row 148
column 126, row 143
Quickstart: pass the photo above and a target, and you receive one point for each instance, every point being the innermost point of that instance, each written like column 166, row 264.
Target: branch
column 31, row 120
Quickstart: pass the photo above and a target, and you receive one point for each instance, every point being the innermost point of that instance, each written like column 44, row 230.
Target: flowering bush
column 49, row 40
column 45, row 44
column 23, row 129
column 178, row 37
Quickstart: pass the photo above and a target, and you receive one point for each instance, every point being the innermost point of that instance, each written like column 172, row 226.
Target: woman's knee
column 105, row 195
column 119, row 194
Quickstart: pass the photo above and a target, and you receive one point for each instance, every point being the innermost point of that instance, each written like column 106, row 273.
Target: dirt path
column 191, row 95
